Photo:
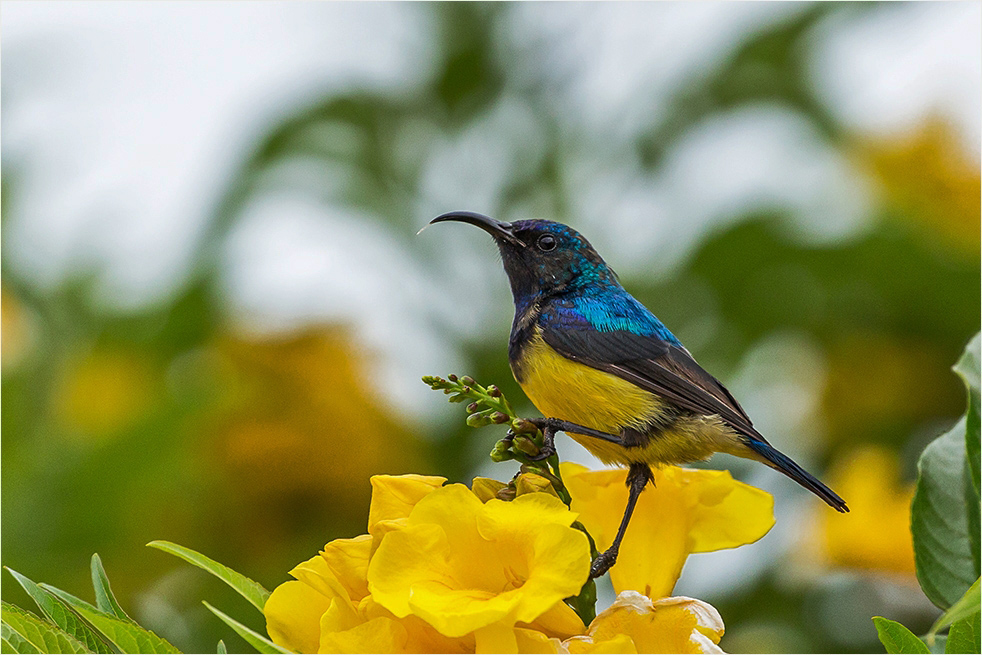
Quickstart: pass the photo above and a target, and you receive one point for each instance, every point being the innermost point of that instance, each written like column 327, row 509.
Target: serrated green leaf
column 221, row 648
column 256, row 640
column 896, row 638
column 964, row 636
column 127, row 636
column 966, row 606
column 59, row 613
column 104, row 598
column 249, row 589
column 11, row 642
column 939, row 520
column 44, row 637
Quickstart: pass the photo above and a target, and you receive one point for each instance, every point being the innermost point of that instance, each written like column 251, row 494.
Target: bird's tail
column 787, row 466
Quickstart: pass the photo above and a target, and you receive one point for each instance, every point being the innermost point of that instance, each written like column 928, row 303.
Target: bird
column 604, row 369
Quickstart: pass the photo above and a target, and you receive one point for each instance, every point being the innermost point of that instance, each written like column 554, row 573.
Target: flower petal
column 726, row 513
column 381, row 635
column 533, row 641
column 667, row 625
column 403, row 559
column 496, row 638
column 558, row 621
column 616, row 644
column 316, row 573
column 293, row 613
column 687, row 511
column 348, row 560
column 394, row 496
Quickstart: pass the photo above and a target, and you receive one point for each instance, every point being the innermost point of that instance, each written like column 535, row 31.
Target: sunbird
column 602, row 368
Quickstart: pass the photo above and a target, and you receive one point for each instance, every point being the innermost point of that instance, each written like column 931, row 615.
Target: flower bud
column 499, row 418
column 528, row 483
column 478, row 420
column 486, row 488
column 452, row 377
column 473, row 407
column 523, row 426
column 501, row 452
column 506, row 493
column 468, row 380
column 526, row 445
column 494, row 391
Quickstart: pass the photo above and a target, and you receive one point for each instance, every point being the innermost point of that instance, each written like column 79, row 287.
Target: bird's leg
column 637, row 478
column 550, row 426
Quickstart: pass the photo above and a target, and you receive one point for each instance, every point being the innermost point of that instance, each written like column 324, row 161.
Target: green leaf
column 259, row 642
column 125, row 635
column 249, row 589
column 59, row 613
column 967, row 606
column 104, row 598
column 12, row 642
column 42, row 636
column 221, row 647
column 939, row 520
column 968, row 367
column 964, row 636
column 896, row 638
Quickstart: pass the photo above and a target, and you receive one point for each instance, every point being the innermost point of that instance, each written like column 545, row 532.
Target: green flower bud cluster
column 488, row 406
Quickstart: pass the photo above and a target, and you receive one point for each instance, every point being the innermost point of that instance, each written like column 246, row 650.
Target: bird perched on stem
column 606, row 371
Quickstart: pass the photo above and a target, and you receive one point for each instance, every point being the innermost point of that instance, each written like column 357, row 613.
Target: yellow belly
column 564, row 389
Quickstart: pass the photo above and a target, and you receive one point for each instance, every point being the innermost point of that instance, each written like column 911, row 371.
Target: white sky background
column 123, row 122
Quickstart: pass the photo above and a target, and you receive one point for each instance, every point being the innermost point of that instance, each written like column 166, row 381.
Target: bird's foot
column 603, row 562
column 548, row 448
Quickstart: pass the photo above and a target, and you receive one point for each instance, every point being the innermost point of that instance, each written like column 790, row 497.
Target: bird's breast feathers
column 565, row 389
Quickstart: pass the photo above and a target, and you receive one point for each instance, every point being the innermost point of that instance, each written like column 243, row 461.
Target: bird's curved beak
column 497, row 229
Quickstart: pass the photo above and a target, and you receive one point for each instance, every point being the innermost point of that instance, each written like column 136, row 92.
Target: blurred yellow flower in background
column 929, row 177
column 687, row 511
column 16, row 329
column 105, row 391
column 875, row 534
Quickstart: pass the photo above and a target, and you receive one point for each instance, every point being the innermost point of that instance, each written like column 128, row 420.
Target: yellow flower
column 636, row 624
column 328, row 609
column 442, row 571
column 875, row 534
column 687, row 511
column 463, row 566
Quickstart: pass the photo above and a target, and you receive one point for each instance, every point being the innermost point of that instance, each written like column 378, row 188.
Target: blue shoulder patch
column 613, row 309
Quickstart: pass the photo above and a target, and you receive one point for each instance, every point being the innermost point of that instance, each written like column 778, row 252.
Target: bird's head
column 542, row 258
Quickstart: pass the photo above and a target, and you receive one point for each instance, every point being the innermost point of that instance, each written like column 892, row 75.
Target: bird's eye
column 546, row 243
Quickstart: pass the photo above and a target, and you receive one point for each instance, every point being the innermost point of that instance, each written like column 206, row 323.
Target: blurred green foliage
column 121, row 427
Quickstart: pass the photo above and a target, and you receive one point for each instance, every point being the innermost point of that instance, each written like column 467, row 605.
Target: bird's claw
column 602, row 563
column 544, row 453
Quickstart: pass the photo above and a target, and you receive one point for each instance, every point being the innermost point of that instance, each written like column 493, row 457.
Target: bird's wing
column 652, row 363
